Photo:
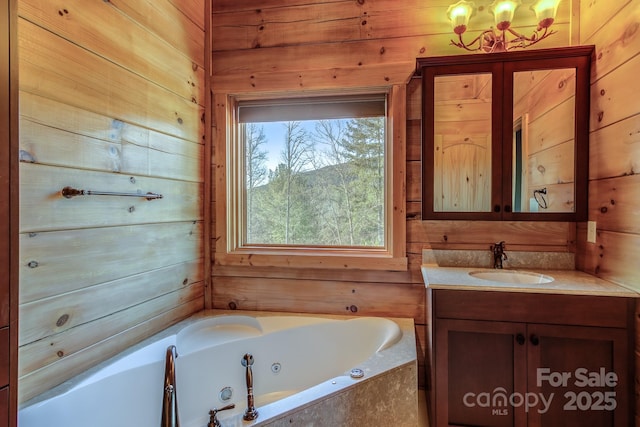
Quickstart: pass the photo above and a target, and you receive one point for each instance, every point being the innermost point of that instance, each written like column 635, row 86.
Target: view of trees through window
column 315, row 182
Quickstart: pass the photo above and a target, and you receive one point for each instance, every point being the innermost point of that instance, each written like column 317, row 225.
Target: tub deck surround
column 569, row 282
column 319, row 392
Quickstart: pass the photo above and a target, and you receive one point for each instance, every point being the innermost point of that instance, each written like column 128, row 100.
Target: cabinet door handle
column 507, row 208
column 520, row 339
column 534, row 340
column 496, row 208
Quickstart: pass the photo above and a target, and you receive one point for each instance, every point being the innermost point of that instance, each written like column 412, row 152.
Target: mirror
column 543, row 148
column 505, row 136
column 543, row 176
column 462, row 143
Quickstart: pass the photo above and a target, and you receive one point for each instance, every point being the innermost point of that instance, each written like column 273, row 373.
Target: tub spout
column 170, row 400
column 250, row 413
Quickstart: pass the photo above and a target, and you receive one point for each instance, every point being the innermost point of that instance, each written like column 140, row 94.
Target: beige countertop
column 564, row 282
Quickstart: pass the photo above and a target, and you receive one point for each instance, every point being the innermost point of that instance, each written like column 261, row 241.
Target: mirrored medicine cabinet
column 505, row 135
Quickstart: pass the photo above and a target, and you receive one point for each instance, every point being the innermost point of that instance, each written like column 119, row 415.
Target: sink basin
column 510, row 276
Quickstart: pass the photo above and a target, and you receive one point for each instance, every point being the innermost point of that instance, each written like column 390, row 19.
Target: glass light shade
column 459, row 15
column 503, row 11
column 545, row 12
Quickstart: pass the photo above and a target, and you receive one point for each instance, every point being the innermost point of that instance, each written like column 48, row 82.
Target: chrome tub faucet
column 498, row 254
column 213, row 419
column 170, row 400
column 250, row 413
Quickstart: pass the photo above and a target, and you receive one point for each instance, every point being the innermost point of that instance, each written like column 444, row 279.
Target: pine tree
column 335, row 191
column 255, row 170
column 364, row 145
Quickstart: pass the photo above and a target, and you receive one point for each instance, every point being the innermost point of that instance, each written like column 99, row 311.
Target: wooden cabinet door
column 5, row 189
column 4, row 357
column 479, row 367
column 8, row 106
column 578, row 367
column 4, row 407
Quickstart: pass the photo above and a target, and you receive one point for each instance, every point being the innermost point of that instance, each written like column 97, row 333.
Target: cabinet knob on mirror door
column 520, row 339
column 496, row 208
column 507, row 208
column 535, row 340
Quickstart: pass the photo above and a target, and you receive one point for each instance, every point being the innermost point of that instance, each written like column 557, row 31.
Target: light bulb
column 503, row 11
column 545, row 12
column 459, row 15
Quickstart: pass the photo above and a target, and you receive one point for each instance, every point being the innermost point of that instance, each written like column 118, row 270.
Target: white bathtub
column 300, row 364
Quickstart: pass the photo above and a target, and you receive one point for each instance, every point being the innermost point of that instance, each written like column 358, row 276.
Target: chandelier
column 502, row 37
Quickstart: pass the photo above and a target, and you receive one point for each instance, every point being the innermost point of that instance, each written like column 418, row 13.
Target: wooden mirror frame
column 502, row 66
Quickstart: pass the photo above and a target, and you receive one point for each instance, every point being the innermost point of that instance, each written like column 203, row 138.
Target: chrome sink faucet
column 498, row 254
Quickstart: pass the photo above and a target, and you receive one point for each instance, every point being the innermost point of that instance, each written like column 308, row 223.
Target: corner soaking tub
column 302, row 375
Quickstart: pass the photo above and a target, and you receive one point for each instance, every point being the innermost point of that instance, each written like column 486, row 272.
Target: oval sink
column 510, row 276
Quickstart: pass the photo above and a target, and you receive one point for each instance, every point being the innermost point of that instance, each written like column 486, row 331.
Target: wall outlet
column 591, row 231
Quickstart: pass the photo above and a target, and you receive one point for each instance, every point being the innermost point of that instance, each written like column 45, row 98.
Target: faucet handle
column 497, row 246
column 213, row 420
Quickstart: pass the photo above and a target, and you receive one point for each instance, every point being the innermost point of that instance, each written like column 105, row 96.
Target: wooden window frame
column 227, row 215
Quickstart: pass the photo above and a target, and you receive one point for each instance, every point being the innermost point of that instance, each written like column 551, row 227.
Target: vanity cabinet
column 521, row 359
column 4, row 377
column 505, row 135
column 4, row 406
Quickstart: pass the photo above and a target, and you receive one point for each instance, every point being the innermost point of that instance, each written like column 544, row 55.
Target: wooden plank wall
column 614, row 187
column 294, row 45
column 112, row 97
column 614, row 182
column 5, row 212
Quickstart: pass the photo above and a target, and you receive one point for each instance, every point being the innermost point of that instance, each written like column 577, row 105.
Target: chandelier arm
column 522, row 37
column 522, row 41
column 493, row 41
column 546, row 34
column 463, row 45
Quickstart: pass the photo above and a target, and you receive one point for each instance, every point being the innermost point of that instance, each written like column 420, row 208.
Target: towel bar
column 69, row 192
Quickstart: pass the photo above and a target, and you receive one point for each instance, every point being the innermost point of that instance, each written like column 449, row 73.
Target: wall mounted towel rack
column 69, row 192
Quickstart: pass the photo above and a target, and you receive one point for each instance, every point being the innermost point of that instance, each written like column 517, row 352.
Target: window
column 314, row 172
column 309, row 183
